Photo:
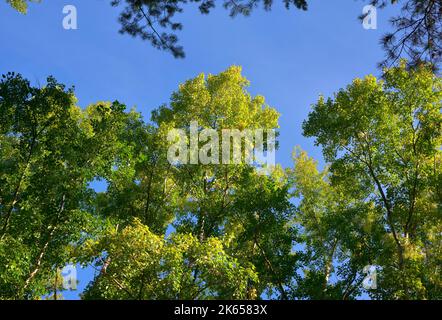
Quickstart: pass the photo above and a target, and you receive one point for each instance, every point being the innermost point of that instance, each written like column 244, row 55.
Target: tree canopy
column 183, row 231
column 382, row 140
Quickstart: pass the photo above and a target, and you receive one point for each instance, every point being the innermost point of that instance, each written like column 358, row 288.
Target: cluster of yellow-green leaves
column 20, row 5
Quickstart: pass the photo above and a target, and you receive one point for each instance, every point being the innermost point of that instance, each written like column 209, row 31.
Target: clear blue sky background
column 290, row 57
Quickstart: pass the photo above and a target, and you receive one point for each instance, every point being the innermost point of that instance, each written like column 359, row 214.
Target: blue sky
column 290, row 57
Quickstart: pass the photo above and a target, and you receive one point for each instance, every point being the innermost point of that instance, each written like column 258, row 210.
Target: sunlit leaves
column 383, row 138
column 142, row 265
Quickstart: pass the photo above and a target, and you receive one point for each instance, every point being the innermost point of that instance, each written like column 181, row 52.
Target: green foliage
column 49, row 152
column 210, row 202
column 382, row 139
column 216, row 231
column 142, row 265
